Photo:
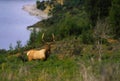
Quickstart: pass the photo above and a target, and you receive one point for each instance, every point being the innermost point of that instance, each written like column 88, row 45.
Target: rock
column 32, row 10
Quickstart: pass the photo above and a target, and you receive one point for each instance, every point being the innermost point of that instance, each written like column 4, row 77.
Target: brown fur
column 39, row 54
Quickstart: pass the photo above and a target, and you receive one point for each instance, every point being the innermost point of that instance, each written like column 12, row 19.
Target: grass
column 52, row 69
column 60, row 67
column 75, row 68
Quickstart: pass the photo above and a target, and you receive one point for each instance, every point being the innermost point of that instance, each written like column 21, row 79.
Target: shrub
column 87, row 37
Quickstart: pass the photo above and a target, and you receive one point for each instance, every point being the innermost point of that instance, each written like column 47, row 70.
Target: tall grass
column 70, row 68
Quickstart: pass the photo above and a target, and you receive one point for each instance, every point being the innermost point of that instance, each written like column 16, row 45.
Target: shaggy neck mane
column 47, row 50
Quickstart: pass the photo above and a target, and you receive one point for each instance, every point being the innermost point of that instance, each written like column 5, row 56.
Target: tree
column 19, row 45
column 33, row 38
column 11, row 47
column 40, row 5
column 115, row 17
column 97, row 9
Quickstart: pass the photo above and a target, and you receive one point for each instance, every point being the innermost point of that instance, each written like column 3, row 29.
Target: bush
column 87, row 37
column 3, row 51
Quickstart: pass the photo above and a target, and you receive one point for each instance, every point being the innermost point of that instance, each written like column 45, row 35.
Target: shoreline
column 33, row 11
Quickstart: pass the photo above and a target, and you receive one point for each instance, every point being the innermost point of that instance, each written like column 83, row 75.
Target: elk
column 41, row 54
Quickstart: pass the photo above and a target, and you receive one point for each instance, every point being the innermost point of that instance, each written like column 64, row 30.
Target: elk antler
column 53, row 37
column 43, row 37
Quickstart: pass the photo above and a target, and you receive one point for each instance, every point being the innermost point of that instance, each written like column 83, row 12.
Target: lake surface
column 14, row 22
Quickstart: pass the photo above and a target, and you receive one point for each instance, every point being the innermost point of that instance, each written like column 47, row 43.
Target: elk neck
column 47, row 50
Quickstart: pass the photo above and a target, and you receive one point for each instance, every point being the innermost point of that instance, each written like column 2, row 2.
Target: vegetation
column 40, row 5
column 114, row 17
column 62, row 67
column 80, row 16
column 86, row 47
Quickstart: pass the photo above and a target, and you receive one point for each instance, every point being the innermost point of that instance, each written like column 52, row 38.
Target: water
column 14, row 22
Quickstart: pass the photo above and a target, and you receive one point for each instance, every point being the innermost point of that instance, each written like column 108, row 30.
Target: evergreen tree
column 97, row 9
column 115, row 17
column 19, row 45
column 33, row 37
column 11, row 47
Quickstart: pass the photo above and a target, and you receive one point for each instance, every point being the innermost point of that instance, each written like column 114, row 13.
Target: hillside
column 68, row 61
column 86, row 46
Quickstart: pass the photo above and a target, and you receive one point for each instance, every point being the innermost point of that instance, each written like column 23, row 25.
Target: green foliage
column 56, row 69
column 97, row 9
column 11, row 47
column 2, row 58
column 33, row 39
column 3, row 51
column 70, row 24
column 19, row 45
column 58, row 9
column 87, row 37
column 40, row 5
column 76, row 18
column 115, row 17
column 70, row 4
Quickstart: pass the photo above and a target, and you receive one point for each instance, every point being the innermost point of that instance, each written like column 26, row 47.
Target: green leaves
column 115, row 17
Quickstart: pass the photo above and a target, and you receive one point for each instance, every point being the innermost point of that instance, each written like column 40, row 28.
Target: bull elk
column 41, row 54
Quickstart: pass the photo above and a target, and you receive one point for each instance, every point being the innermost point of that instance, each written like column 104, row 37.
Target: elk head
column 47, row 45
